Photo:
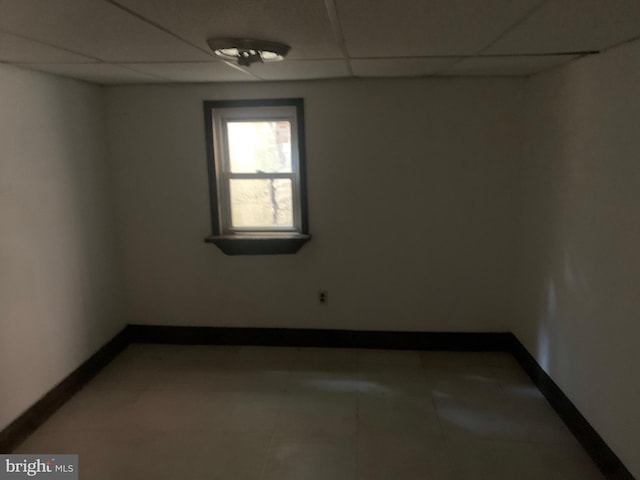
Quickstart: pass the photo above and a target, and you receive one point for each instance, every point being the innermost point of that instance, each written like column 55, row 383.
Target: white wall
column 579, row 300
column 412, row 208
column 60, row 298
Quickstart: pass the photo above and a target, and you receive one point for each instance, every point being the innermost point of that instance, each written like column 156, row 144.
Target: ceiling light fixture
column 245, row 51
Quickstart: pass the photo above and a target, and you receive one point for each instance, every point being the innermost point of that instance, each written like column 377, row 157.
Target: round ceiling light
column 245, row 51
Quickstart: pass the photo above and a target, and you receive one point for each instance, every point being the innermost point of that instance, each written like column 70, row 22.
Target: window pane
column 261, row 203
column 259, row 147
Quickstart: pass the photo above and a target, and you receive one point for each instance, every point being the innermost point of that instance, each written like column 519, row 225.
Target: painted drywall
column 579, row 295
column 60, row 295
column 412, row 208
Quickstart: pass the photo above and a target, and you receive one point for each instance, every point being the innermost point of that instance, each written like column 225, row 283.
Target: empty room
column 320, row 239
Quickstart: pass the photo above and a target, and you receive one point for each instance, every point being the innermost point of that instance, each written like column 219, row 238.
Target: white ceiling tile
column 507, row 65
column 573, row 26
column 101, row 73
column 21, row 50
column 301, row 69
column 304, row 25
column 193, row 72
column 94, row 28
column 400, row 67
column 416, row 28
column 165, row 40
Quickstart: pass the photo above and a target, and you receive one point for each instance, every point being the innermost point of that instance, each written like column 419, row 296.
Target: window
column 255, row 151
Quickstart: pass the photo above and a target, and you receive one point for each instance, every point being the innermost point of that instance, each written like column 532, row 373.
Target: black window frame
column 254, row 243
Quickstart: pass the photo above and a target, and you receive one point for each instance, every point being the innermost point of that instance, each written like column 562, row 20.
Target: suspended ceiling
column 164, row 41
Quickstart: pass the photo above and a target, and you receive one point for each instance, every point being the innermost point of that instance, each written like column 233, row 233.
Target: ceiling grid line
column 42, row 42
column 332, row 12
column 145, row 41
column 242, row 69
column 129, row 67
column 619, row 44
column 135, row 14
column 510, row 28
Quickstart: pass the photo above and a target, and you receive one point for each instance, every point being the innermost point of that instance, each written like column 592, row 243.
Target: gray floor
column 241, row 413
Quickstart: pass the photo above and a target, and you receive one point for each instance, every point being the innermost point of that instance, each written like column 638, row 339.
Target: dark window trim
column 255, row 244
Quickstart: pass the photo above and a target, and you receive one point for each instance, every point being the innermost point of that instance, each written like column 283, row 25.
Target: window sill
column 259, row 244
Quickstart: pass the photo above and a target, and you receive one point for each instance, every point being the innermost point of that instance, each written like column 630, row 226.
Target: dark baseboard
column 294, row 337
column 592, row 442
column 608, row 462
column 18, row 430
column 594, row 445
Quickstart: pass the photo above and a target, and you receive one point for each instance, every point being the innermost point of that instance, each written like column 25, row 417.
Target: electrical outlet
column 323, row 297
